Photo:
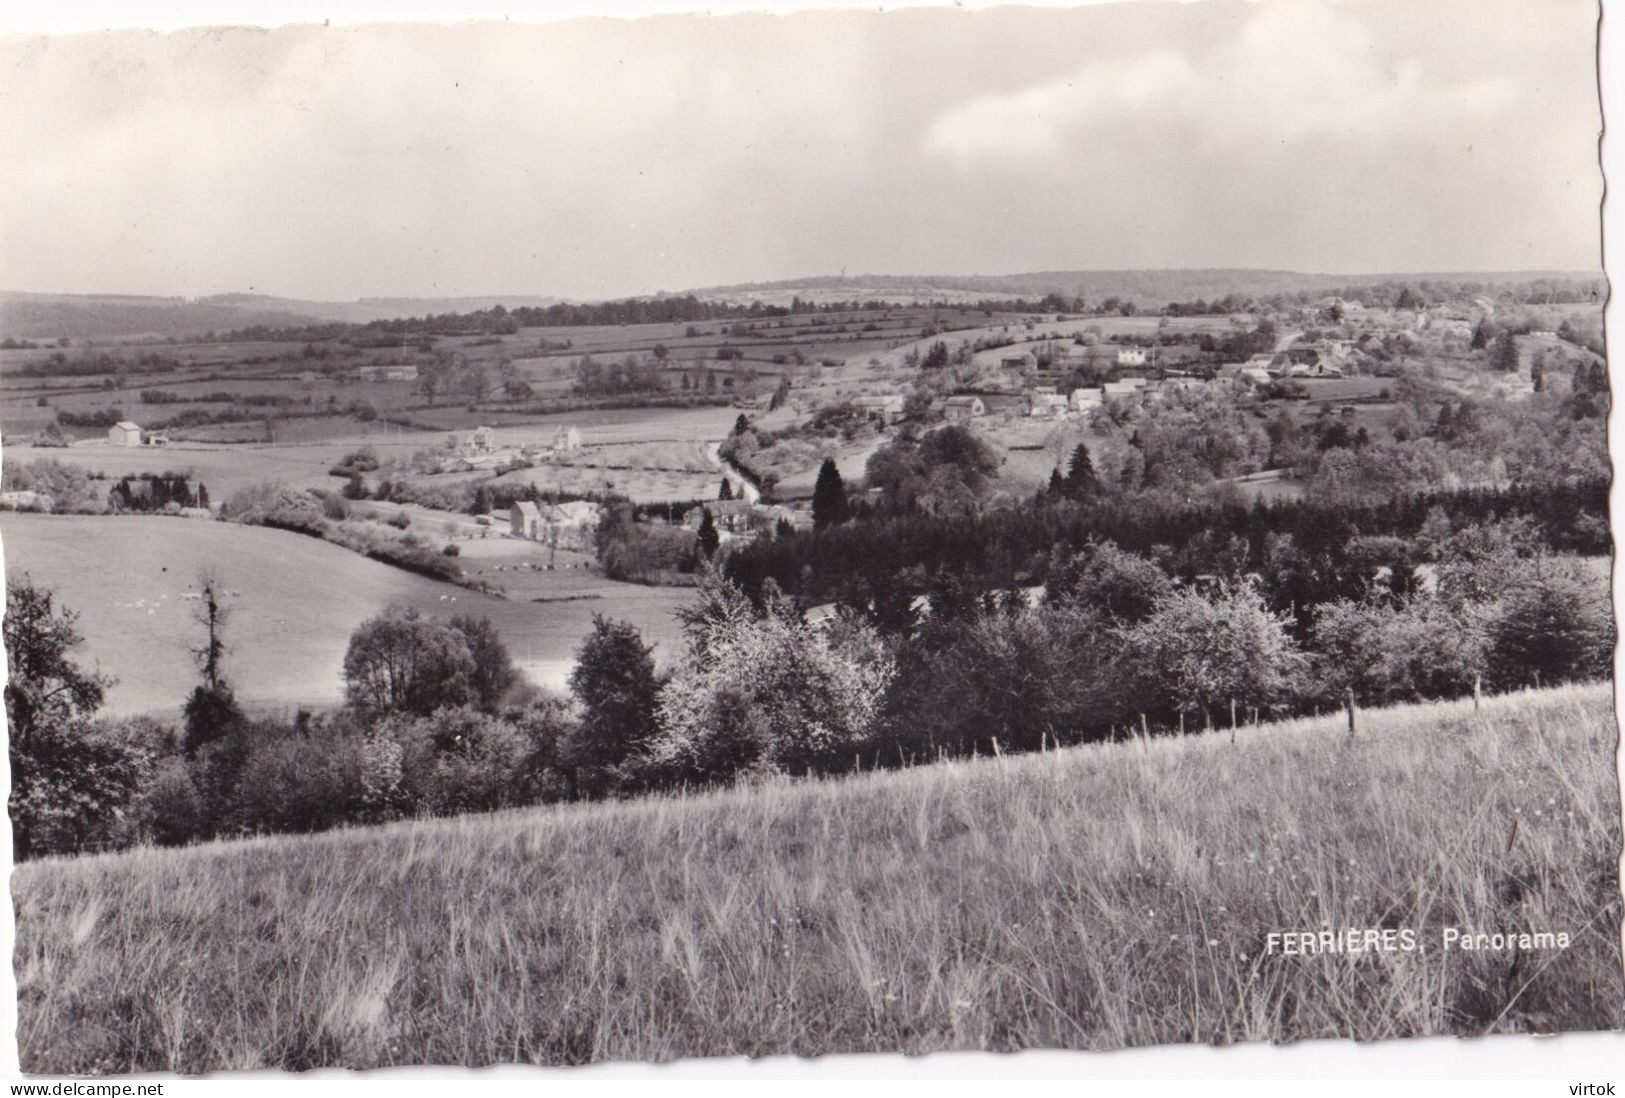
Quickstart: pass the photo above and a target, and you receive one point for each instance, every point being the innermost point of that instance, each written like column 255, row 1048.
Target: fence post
column 1348, row 700
column 1478, row 688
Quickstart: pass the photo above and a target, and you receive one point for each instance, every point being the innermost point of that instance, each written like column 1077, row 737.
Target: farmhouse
column 1019, row 360
column 1543, row 333
column 732, row 516
column 395, row 372
column 959, row 408
column 565, row 439
column 1045, row 401
column 1255, row 374
column 1082, row 400
column 482, row 440
column 887, row 408
column 1131, row 356
column 1126, row 389
column 525, row 520
column 124, row 433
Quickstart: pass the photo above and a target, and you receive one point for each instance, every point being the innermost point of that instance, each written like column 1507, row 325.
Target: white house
column 566, row 438
column 1131, row 356
column 124, row 433
column 886, row 407
column 482, row 440
column 525, row 520
column 1082, row 400
column 1045, row 401
column 959, row 408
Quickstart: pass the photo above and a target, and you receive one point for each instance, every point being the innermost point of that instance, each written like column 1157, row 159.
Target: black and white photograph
column 618, row 540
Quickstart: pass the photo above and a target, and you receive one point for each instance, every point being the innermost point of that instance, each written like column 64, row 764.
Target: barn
column 525, row 520
column 124, row 433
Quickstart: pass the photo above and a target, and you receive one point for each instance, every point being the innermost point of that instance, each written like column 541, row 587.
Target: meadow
column 296, row 601
column 1093, row 898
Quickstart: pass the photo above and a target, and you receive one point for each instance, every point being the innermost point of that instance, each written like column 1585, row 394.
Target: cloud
column 1295, row 72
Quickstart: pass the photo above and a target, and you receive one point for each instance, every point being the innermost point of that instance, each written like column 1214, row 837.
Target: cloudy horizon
column 605, row 157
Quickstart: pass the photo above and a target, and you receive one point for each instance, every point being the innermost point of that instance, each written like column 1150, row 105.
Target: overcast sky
column 608, row 157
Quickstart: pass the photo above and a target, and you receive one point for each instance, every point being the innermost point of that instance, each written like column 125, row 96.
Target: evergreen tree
column 1081, row 480
column 829, row 505
column 1504, row 353
column 726, row 491
column 1057, row 483
column 710, row 540
column 1537, row 373
column 741, row 425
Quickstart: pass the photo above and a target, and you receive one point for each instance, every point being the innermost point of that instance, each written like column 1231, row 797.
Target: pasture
column 1092, row 898
column 296, row 601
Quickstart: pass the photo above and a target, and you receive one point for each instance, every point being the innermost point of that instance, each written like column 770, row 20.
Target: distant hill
column 1144, row 287
column 113, row 316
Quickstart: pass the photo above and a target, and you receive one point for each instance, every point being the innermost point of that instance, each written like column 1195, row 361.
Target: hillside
column 111, row 316
column 1147, row 288
column 1096, row 897
column 298, row 600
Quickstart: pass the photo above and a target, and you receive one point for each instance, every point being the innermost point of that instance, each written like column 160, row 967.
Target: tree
column 1081, row 481
column 762, row 689
column 1197, row 652
column 708, row 537
column 1504, row 353
column 1537, row 373
column 494, row 676
column 726, row 491
column 68, row 776
column 614, row 682
column 829, row 504
column 401, row 661
column 1555, row 626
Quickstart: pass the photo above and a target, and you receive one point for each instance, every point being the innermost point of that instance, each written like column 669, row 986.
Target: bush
column 1555, row 626
column 765, row 690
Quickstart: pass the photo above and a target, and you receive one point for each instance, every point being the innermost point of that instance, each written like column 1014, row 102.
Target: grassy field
column 298, row 600
column 1097, row 897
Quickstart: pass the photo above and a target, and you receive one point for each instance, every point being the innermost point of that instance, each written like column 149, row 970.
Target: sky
column 607, row 157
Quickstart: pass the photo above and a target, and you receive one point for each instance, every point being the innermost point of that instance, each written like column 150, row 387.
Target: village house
column 565, row 439
column 731, row 516
column 124, row 433
column 886, row 407
column 482, row 440
column 525, row 520
column 1131, row 356
column 1043, row 400
column 1543, row 333
column 1126, row 389
column 394, row 372
column 956, row 409
column 1083, row 400
column 1258, row 375
column 1018, row 360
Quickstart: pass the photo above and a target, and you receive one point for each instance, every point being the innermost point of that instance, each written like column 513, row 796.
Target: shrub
column 763, row 689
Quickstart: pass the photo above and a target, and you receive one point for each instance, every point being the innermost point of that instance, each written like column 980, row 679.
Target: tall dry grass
column 1090, row 898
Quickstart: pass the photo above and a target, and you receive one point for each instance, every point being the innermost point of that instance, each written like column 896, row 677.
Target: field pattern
column 1096, row 897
